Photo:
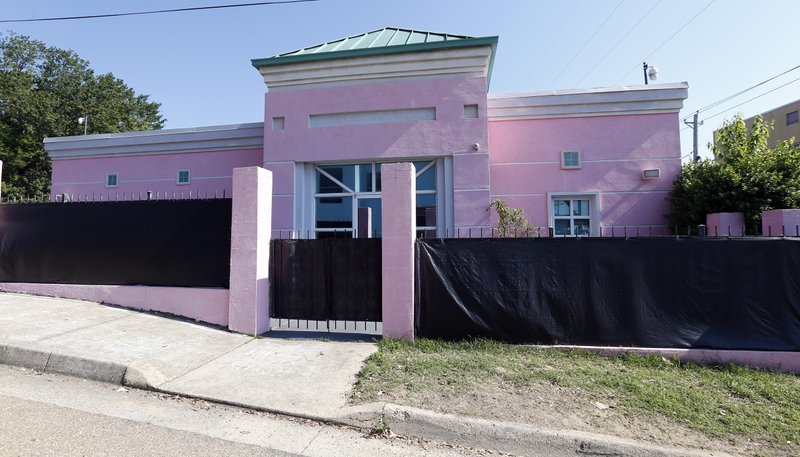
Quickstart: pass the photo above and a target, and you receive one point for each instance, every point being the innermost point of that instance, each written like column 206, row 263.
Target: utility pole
column 694, row 124
column 644, row 68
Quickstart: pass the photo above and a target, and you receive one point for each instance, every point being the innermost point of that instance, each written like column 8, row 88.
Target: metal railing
column 95, row 197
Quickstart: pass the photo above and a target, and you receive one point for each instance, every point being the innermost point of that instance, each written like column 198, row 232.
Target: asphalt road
column 52, row 415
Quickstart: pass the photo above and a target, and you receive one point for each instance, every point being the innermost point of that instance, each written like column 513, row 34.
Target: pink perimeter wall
column 525, row 164
column 449, row 135
column 210, row 171
column 201, row 304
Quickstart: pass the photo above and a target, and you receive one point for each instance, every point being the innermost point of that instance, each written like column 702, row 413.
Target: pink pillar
column 398, row 209
column 724, row 224
column 780, row 222
column 250, row 234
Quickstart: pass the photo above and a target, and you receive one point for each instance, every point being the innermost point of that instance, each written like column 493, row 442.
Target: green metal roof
column 388, row 40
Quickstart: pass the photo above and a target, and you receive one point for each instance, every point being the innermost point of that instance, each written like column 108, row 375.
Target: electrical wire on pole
column 602, row 59
column 587, row 42
column 141, row 13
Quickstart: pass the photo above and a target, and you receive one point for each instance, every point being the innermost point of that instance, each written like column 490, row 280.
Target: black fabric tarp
column 326, row 279
column 682, row 293
column 157, row 243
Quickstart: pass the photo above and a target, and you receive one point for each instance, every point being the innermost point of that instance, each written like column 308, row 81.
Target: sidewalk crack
column 303, row 452
column 210, row 360
column 83, row 328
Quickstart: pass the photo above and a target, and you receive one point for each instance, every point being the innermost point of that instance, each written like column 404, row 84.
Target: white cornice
column 648, row 99
column 448, row 62
column 168, row 141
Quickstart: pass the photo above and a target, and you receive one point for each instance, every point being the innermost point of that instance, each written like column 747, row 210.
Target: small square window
column 112, row 180
column 183, row 177
column 570, row 159
column 278, row 123
column 791, row 118
column 470, row 111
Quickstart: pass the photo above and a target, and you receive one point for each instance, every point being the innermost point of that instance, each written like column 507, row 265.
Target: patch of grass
column 720, row 401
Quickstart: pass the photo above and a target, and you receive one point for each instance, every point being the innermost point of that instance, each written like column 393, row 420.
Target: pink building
column 574, row 160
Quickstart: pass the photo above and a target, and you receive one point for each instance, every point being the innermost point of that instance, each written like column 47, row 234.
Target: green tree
column 43, row 92
column 746, row 176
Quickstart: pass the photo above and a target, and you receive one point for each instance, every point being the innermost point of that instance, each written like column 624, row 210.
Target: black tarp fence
column 682, row 293
column 326, row 279
column 183, row 243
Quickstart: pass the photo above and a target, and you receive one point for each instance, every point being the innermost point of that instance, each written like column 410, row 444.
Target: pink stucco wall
column 205, row 305
column 210, row 172
column 525, row 164
column 450, row 134
column 725, row 224
column 779, row 222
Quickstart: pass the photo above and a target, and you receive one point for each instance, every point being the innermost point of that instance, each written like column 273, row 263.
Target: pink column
column 724, row 224
column 780, row 222
column 250, row 235
column 398, row 194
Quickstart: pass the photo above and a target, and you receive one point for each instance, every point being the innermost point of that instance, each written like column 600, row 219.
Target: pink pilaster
column 250, row 236
column 725, row 224
column 398, row 210
column 780, row 222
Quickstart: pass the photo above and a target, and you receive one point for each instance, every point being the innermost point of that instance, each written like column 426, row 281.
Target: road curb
column 46, row 361
column 520, row 439
column 511, row 438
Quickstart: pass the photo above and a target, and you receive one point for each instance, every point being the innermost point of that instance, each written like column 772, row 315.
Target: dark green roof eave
column 363, row 52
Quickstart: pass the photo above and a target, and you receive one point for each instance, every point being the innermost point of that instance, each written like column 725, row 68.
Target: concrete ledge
column 785, row 361
column 96, row 370
column 518, row 439
column 20, row 356
column 26, row 356
column 201, row 304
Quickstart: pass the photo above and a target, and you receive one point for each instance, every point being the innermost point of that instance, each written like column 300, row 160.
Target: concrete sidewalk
column 308, row 378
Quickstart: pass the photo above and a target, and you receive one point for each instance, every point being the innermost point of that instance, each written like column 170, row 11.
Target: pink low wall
column 205, row 305
column 779, row 222
column 785, row 361
column 525, row 164
column 725, row 224
column 210, row 172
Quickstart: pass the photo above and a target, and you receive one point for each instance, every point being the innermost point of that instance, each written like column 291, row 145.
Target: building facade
column 575, row 160
column 785, row 122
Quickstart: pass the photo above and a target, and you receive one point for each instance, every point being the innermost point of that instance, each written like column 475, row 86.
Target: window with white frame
column 573, row 215
column 112, row 180
column 347, row 200
column 183, row 177
column 570, row 159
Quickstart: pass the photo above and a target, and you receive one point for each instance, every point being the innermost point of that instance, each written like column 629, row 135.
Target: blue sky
column 197, row 64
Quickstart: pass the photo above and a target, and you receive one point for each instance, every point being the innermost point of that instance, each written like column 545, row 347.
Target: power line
column 667, row 40
column 141, row 13
column 619, row 42
column 730, row 97
column 750, row 100
column 550, row 45
column 587, row 42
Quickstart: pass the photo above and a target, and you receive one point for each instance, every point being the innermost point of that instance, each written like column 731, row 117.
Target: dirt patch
column 502, row 387
column 554, row 407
